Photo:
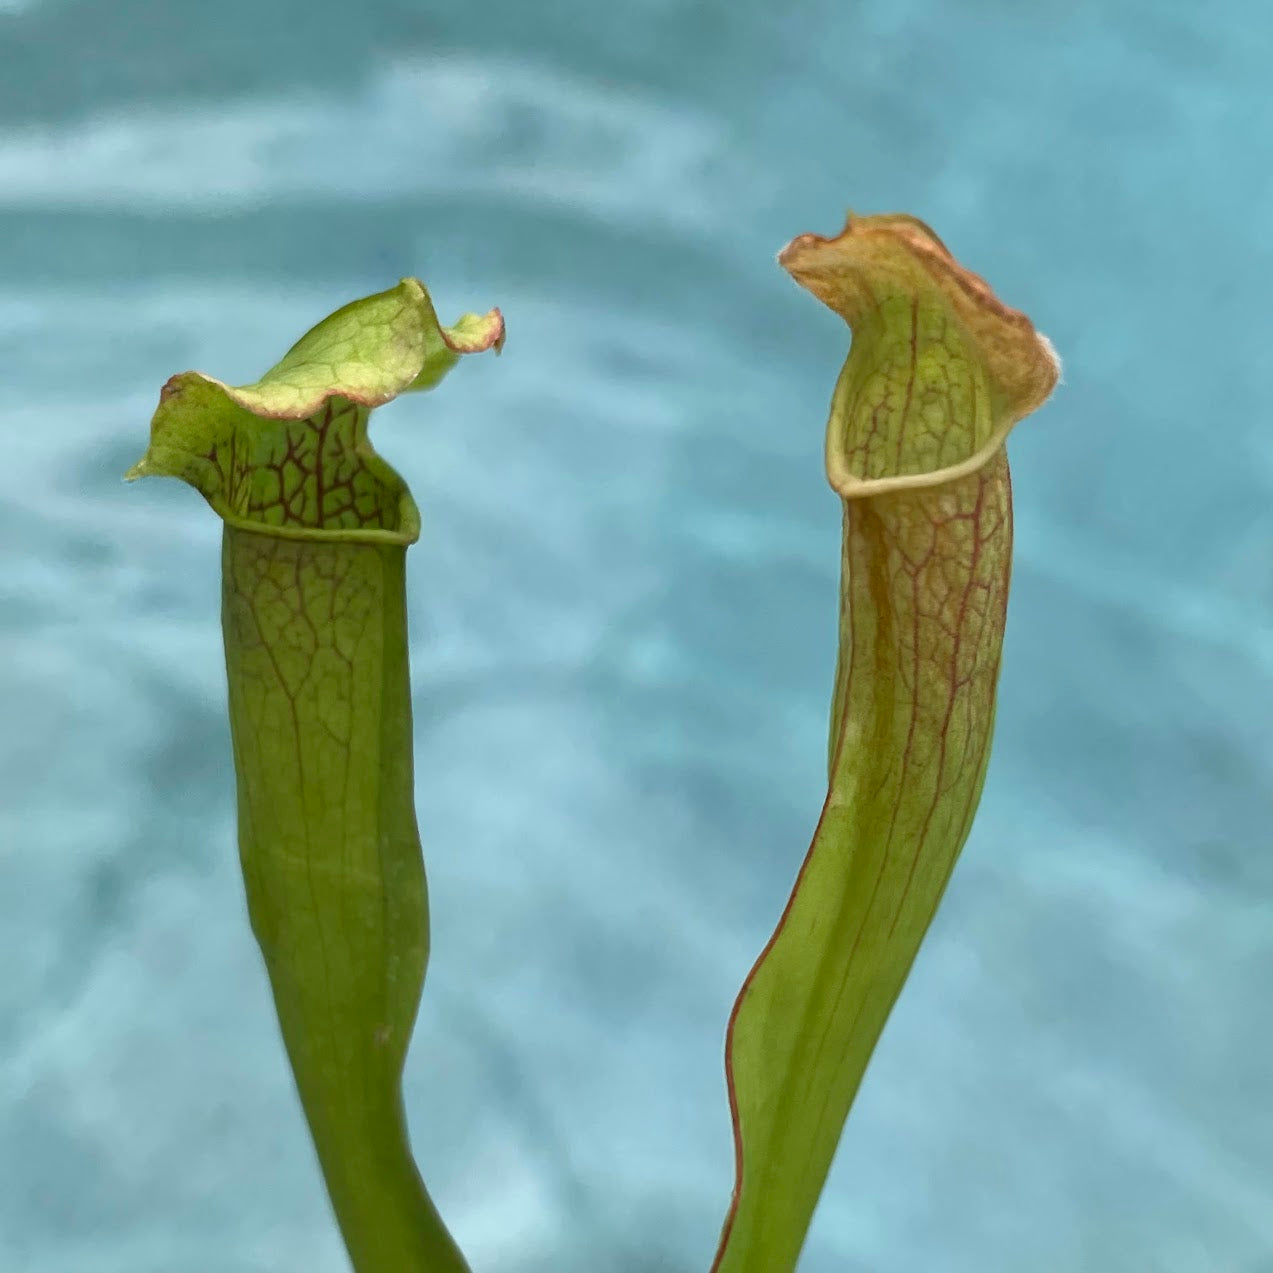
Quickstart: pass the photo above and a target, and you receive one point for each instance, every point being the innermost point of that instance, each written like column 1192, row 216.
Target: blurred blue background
column 623, row 612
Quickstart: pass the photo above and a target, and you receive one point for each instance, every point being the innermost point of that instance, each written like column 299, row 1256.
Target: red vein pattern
column 311, row 473
column 925, row 613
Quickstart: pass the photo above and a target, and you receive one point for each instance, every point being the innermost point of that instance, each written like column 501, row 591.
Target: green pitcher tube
column 314, row 619
column 938, row 372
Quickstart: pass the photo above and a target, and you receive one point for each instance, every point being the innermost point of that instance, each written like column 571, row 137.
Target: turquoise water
column 623, row 613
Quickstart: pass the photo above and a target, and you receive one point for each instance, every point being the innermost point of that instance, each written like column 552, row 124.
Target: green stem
column 320, row 713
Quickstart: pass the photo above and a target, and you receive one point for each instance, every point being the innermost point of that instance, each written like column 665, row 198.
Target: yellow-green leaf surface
column 314, row 620
column 938, row 372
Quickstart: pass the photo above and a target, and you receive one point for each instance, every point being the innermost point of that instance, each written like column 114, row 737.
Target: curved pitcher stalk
column 938, row 373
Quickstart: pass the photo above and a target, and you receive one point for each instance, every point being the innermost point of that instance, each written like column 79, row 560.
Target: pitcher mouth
column 289, row 456
column 878, row 267
column 314, row 478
